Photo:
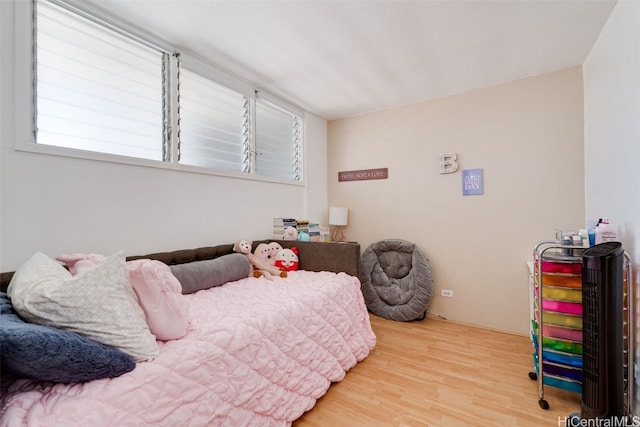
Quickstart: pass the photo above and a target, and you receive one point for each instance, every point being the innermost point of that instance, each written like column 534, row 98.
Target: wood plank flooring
column 440, row 373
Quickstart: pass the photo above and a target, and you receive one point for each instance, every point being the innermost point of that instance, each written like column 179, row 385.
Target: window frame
column 25, row 93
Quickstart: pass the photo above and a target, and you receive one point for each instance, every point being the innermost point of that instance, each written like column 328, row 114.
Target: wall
column 612, row 129
column 527, row 136
column 612, row 138
column 60, row 204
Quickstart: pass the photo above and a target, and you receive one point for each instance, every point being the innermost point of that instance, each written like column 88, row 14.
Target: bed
column 257, row 351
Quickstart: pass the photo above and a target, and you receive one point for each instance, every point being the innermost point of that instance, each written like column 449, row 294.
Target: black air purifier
column 603, row 356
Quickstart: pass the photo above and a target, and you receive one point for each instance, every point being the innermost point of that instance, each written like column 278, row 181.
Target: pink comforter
column 257, row 353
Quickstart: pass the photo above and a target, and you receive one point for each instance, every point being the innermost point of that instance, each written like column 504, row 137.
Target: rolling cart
column 556, row 295
column 556, row 319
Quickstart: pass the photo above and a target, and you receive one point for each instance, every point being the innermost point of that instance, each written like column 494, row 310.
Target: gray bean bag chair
column 396, row 280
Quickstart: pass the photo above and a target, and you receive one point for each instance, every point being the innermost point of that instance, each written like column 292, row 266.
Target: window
column 214, row 125
column 277, row 142
column 98, row 88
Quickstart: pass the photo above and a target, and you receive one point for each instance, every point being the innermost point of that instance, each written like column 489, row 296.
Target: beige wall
column 527, row 136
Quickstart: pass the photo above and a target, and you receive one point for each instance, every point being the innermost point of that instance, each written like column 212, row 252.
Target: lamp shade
column 338, row 216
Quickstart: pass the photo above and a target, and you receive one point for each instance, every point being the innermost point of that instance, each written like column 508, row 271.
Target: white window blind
column 214, row 125
column 96, row 89
column 278, row 142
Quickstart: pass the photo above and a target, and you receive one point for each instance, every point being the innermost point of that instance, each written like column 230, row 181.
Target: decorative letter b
column 448, row 163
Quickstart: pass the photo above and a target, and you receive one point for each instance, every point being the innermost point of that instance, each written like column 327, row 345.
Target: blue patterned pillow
column 44, row 353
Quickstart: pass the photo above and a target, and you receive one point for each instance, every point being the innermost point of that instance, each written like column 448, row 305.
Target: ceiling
column 337, row 59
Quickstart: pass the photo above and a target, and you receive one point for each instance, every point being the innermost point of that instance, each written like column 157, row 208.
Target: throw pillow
column 160, row 296
column 98, row 304
column 79, row 263
column 43, row 353
column 159, row 292
column 198, row 275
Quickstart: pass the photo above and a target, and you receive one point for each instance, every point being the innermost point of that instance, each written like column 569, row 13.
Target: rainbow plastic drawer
column 562, row 307
column 563, row 371
column 552, row 356
column 561, row 267
column 562, row 294
column 560, row 332
column 562, row 345
column 564, row 280
column 559, row 319
column 565, row 346
column 563, row 333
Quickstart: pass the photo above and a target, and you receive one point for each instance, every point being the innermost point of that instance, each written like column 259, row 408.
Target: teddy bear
column 287, row 259
column 258, row 266
column 267, row 252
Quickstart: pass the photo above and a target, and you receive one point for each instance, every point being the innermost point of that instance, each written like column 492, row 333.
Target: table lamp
column 338, row 218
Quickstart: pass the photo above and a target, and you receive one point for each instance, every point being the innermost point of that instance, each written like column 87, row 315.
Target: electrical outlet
column 446, row 293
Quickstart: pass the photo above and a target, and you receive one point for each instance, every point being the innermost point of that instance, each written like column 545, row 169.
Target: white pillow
column 98, row 304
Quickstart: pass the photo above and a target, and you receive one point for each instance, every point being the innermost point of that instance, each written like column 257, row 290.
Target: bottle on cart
column 606, row 232
column 584, row 237
column 566, row 241
column 577, row 241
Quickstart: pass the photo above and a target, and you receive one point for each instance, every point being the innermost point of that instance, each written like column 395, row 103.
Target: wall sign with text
column 363, row 174
column 472, row 182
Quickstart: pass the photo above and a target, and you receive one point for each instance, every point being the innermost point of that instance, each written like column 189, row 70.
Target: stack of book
column 314, row 232
column 303, row 226
column 279, row 224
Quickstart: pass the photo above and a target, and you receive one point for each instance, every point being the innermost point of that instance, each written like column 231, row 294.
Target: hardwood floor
column 440, row 373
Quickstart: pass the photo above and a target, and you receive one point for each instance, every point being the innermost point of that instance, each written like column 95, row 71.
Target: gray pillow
column 198, row 275
column 28, row 350
column 99, row 304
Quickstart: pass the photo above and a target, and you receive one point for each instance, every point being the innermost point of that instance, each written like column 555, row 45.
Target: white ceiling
column 342, row 58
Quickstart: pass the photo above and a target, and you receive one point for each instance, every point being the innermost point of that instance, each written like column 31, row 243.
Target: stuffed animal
column 267, row 252
column 287, row 259
column 258, row 267
column 242, row 246
column 290, row 233
column 304, row 237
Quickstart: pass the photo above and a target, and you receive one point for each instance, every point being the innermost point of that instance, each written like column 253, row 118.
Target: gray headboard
column 313, row 256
